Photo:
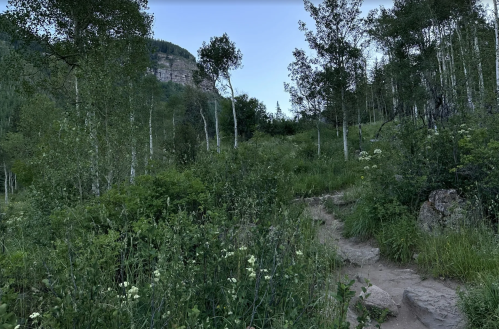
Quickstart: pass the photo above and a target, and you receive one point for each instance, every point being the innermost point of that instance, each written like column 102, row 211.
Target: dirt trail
column 428, row 303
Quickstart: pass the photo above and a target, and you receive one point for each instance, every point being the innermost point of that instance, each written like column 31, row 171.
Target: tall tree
column 336, row 37
column 217, row 59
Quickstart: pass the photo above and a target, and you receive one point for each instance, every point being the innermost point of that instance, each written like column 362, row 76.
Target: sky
column 266, row 32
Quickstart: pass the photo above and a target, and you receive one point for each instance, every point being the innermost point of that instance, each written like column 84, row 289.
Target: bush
column 480, row 303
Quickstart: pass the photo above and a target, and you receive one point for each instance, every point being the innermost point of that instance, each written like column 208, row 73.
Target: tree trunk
column 150, row 129
column 466, row 75
column 318, row 139
column 205, row 129
column 233, row 113
column 360, row 127
column 345, row 124
column 216, row 127
column 480, row 72
column 133, row 163
column 5, row 187
column 496, row 29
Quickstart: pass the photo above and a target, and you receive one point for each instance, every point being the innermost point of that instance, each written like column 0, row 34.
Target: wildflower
column 34, row 315
column 243, row 248
column 156, row 279
column 136, row 297
column 299, row 252
column 377, row 151
column 17, row 327
column 267, row 277
column 124, row 284
column 252, row 275
column 252, row 260
column 233, row 280
column 230, row 313
column 374, row 166
column 363, row 154
column 157, row 274
column 366, row 168
column 133, row 290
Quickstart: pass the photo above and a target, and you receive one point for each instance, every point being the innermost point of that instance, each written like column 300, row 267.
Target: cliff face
column 178, row 69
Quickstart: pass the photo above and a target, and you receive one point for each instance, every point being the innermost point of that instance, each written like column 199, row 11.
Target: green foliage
column 480, row 303
column 461, row 254
column 169, row 49
column 398, row 240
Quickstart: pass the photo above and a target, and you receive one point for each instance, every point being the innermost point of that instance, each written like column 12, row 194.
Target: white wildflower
column 299, row 252
column 233, row 280
column 34, row 315
column 252, row 260
column 377, row 151
column 157, row 274
column 267, row 277
column 374, row 166
column 136, row 297
column 243, row 248
column 124, row 284
column 366, row 168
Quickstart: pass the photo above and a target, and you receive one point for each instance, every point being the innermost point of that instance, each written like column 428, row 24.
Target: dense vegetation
column 129, row 202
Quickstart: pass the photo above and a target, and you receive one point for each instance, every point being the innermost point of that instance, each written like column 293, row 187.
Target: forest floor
column 429, row 303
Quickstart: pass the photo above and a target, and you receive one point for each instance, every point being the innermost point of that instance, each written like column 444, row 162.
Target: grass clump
column 462, row 254
column 480, row 303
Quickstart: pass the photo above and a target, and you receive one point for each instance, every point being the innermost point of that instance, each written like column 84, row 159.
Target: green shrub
column 480, row 303
column 398, row 239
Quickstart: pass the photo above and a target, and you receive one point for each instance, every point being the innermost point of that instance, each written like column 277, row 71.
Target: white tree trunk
column 216, row 127
column 205, row 129
column 496, row 29
column 150, row 129
column 133, row 163
column 318, row 138
column 345, row 125
column 466, row 75
column 233, row 112
column 480, row 72
column 5, row 186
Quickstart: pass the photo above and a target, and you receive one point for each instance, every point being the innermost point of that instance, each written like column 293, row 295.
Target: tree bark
column 318, row 138
column 480, row 72
column 150, row 129
column 345, row 124
column 5, row 187
column 233, row 112
column 466, row 75
column 205, row 129
column 496, row 30
column 216, row 127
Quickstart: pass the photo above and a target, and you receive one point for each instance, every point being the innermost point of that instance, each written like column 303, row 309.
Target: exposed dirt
column 390, row 277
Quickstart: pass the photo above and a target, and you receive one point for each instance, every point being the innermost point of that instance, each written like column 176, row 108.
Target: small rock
column 379, row 299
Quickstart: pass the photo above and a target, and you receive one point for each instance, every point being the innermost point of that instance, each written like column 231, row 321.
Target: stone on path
column 358, row 255
column 379, row 299
column 435, row 309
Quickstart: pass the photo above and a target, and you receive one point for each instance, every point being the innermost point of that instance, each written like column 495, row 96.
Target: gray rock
column 352, row 319
column 379, row 299
column 443, row 209
column 445, row 200
column 435, row 309
column 358, row 256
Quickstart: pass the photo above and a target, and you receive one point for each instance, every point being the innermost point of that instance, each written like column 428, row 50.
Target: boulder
column 435, row 309
column 443, row 209
column 358, row 255
column 379, row 299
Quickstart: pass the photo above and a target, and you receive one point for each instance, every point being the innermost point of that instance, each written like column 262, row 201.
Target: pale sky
column 266, row 32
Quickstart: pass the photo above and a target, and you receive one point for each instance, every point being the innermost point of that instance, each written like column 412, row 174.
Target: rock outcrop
column 443, row 209
column 435, row 309
column 179, row 70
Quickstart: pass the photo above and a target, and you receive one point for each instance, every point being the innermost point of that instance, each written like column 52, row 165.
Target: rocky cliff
column 171, row 67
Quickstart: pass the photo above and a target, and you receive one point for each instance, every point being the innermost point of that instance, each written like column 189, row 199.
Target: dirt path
column 427, row 303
